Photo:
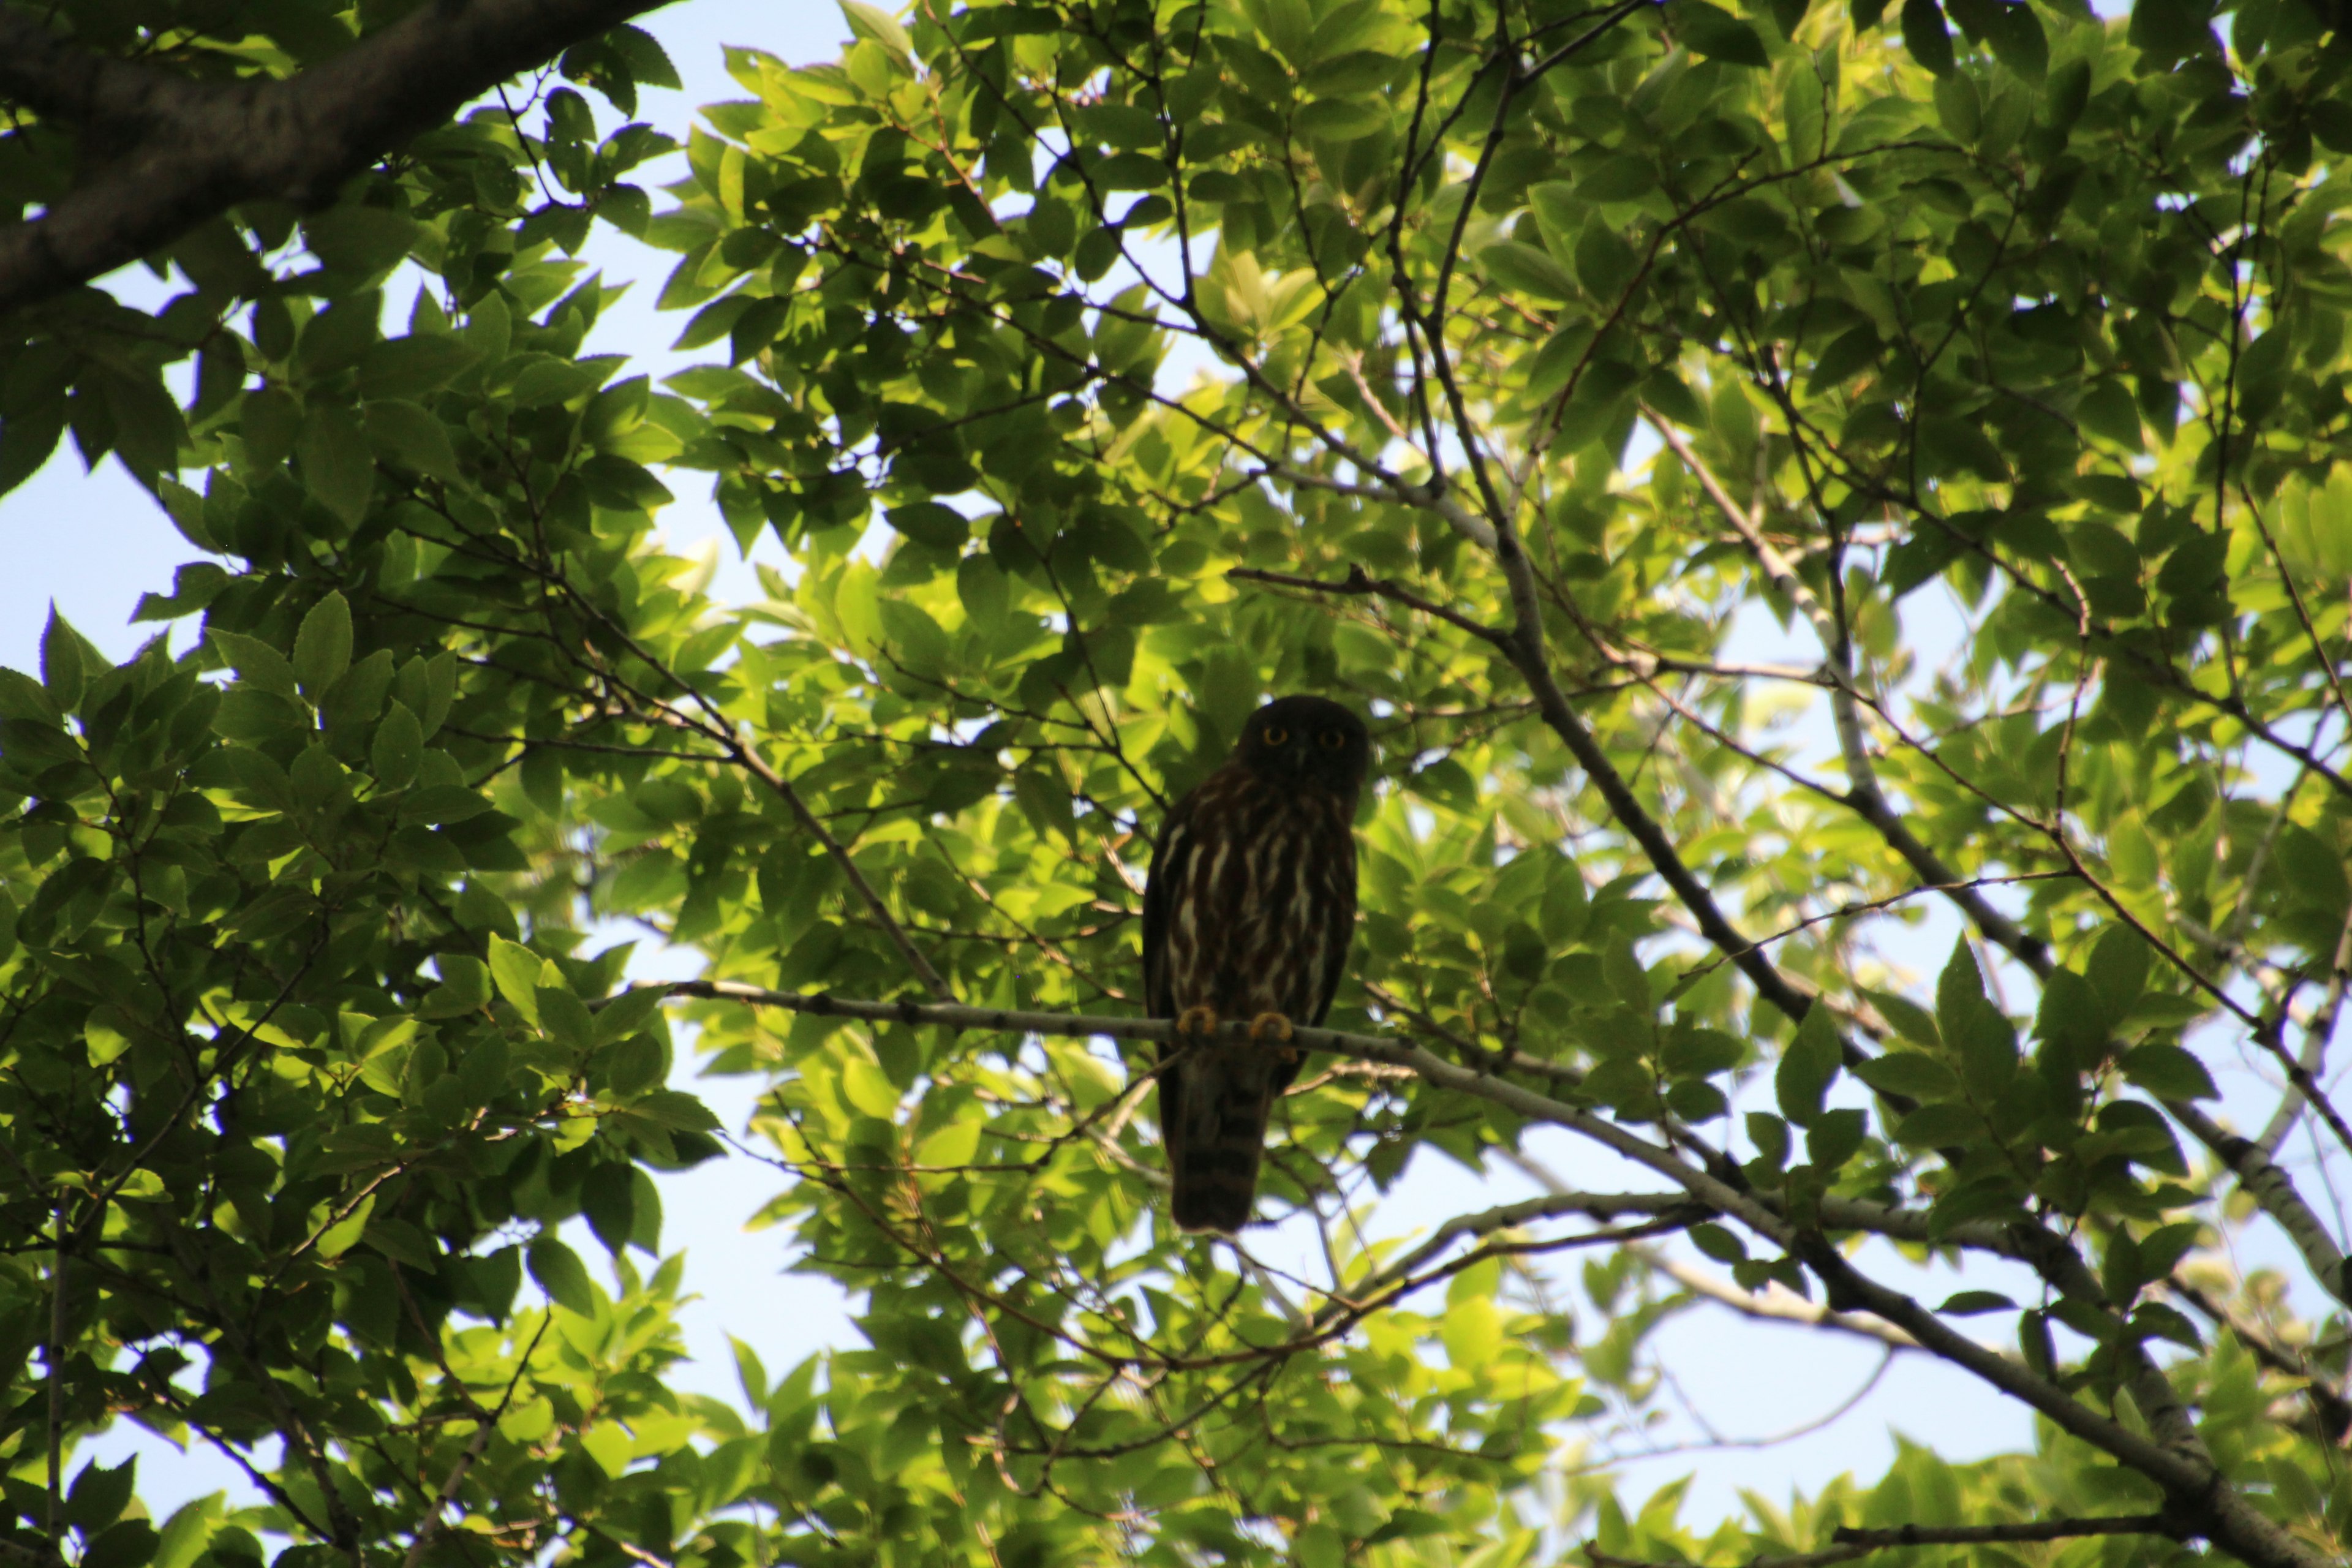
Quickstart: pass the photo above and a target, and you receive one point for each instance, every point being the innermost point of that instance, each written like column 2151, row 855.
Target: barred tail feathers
column 1214, row 1112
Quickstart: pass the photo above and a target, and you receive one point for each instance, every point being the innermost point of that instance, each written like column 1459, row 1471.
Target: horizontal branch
column 183, row 151
column 1708, row 1188
column 1432, row 499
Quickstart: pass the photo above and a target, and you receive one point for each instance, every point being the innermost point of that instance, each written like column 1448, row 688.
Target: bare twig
column 486, row 1423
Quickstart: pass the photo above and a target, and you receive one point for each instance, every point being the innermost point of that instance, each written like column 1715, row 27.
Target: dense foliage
column 1104, row 367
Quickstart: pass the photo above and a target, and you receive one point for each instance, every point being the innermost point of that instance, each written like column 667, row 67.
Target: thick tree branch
column 196, row 149
column 2268, row 1187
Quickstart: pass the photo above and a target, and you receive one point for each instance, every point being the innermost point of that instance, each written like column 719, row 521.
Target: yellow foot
column 1202, row 1021
column 1270, row 1026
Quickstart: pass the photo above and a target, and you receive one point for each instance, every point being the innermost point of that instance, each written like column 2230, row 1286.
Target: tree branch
column 1776, row 1303
column 2270, row 1187
column 1509, row 1216
column 1864, row 796
column 197, row 148
column 486, row 1423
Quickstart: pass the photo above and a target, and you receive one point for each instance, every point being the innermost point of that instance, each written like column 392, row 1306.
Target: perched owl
column 1249, row 914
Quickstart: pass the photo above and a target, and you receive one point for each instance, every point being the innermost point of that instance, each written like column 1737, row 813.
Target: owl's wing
column 1338, row 919
column 1168, row 859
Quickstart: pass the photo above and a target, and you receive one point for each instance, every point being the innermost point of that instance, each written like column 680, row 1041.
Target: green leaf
column 1527, row 270
column 62, row 672
column 1911, row 1074
column 1968, row 1303
column 1604, row 263
column 1972, row 1028
column 363, row 242
column 627, row 1012
column 1807, row 1066
column 1718, row 1244
column 563, row 1016
column 1718, row 35
column 407, row 368
column 1911, row 1021
column 398, row 746
column 561, row 1275
column 608, row 1199
column 2071, row 1013
column 928, row 523
column 404, row 434
column 341, row 1237
column 99, row 1495
column 1834, row 1138
column 1960, row 993
column 873, row 22
column 126, row 1543
column 1341, row 120
column 1927, row 36
column 2117, row 970
column 516, row 970
column 338, row 468
column 2167, row 29
column 1940, row 1126
column 322, row 649
column 465, row 987
column 2167, row 1073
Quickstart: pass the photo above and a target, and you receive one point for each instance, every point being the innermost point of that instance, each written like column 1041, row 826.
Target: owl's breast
column 1263, row 902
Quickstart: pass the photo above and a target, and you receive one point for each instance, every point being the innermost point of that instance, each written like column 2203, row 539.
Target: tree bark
column 182, row 151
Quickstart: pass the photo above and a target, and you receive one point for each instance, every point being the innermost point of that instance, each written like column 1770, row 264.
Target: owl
column 1249, row 913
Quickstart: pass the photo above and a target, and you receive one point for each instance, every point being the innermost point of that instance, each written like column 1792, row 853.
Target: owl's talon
column 1200, row 1021
column 1273, row 1025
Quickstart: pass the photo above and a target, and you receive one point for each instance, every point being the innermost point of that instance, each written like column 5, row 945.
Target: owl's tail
column 1213, row 1116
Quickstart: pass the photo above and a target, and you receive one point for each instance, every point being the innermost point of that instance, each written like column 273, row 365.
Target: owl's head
column 1308, row 740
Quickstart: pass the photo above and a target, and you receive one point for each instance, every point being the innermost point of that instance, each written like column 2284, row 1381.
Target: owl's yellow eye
column 1276, row 734
column 1334, row 740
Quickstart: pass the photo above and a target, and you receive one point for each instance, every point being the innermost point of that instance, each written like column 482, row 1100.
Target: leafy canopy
column 1103, row 367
